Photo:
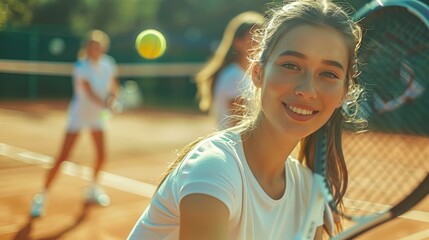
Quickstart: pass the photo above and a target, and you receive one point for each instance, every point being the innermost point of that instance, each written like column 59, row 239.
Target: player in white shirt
column 222, row 80
column 95, row 86
column 242, row 183
column 229, row 87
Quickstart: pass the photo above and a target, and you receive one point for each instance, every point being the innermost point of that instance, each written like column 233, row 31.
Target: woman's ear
column 256, row 71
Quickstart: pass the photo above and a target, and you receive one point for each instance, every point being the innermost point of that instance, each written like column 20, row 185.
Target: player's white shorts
column 80, row 117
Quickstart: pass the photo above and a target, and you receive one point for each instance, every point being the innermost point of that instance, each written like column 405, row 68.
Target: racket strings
column 383, row 170
column 395, row 40
column 389, row 161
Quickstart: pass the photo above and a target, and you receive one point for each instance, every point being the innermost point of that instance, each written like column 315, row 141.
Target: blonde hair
column 95, row 36
column 237, row 28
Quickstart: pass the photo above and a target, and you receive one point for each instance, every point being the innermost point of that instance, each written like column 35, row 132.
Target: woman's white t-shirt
column 217, row 167
column 230, row 84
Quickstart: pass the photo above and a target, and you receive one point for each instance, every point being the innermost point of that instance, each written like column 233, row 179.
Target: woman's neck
column 93, row 60
column 243, row 62
column 267, row 151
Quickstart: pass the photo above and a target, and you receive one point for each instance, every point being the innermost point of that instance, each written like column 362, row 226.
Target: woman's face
column 303, row 80
column 94, row 50
column 244, row 44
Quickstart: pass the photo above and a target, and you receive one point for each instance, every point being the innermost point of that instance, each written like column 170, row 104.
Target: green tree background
column 193, row 28
column 120, row 17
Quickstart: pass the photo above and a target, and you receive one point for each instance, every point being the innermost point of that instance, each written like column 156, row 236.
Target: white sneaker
column 97, row 195
column 37, row 205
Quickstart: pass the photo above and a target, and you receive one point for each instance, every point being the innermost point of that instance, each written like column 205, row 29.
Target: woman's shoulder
column 80, row 66
column 209, row 168
column 232, row 67
column 219, row 145
column 108, row 59
column 214, row 153
column 80, row 62
column 296, row 167
column 211, row 159
column 231, row 71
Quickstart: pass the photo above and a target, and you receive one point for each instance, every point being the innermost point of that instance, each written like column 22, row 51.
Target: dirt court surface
column 140, row 144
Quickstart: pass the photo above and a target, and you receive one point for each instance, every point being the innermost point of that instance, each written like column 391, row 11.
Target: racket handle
column 329, row 219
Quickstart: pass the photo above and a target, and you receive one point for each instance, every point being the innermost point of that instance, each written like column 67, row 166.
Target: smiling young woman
column 242, row 183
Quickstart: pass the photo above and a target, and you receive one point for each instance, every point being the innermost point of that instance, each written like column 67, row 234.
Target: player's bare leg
column 39, row 199
column 98, row 138
column 68, row 144
column 94, row 193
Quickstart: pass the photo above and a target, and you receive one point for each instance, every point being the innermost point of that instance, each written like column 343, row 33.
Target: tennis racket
column 112, row 107
column 388, row 164
column 129, row 98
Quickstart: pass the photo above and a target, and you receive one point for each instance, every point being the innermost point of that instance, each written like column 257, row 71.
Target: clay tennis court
column 140, row 146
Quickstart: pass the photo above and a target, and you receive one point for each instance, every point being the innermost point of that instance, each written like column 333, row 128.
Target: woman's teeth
column 300, row 111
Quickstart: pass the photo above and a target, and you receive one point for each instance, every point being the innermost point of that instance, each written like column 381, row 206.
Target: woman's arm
column 113, row 93
column 114, row 87
column 203, row 217
column 319, row 233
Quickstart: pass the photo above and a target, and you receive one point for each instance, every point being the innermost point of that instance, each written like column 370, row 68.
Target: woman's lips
column 299, row 113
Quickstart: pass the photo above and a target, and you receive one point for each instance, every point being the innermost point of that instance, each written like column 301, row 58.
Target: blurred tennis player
column 95, row 86
column 222, row 80
column 242, row 183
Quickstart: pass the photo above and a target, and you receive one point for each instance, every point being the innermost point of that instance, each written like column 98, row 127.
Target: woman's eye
column 329, row 75
column 291, row 66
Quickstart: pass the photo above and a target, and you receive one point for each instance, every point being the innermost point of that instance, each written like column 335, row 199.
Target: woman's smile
column 299, row 112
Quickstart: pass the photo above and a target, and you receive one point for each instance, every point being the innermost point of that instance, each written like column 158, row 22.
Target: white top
column 217, row 167
column 230, row 84
column 100, row 77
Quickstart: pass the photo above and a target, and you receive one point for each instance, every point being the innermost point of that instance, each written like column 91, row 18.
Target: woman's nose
column 305, row 86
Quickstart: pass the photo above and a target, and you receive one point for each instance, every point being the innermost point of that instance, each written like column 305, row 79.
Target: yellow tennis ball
column 150, row 44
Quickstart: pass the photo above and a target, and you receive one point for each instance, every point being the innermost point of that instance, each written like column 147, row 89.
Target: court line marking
column 127, row 184
column 72, row 169
column 417, row 236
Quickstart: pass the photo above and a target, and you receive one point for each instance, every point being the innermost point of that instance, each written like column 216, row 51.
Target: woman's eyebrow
column 292, row 53
column 300, row 55
column 334, row 64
